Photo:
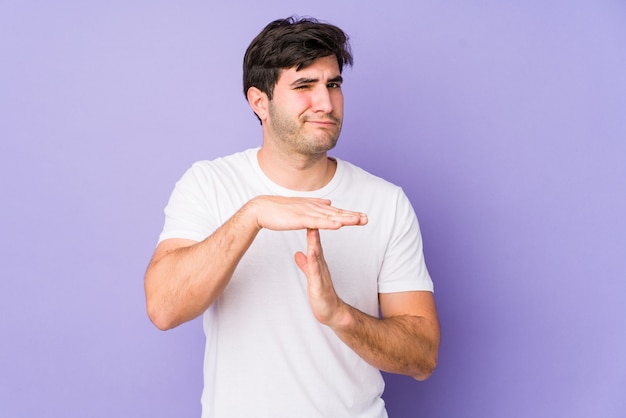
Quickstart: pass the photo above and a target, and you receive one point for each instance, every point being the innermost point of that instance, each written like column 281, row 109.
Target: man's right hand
column 280, row 213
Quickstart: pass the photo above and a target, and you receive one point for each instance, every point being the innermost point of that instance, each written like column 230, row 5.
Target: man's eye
column 302, row 87
column 334, row 85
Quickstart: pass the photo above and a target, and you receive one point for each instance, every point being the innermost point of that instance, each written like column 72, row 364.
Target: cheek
column 300, row 103
column 338, row 103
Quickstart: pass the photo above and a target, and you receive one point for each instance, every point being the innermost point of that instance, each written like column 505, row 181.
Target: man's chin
column 322, row 146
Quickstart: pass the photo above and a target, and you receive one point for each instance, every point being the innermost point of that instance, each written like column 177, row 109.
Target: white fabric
column 266, row 355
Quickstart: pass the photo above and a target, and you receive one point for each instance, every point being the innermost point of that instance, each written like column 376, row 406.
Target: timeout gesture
column 203, row 269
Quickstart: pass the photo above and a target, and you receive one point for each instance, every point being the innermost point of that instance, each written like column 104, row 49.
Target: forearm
column 404, row 344
column 183, row 282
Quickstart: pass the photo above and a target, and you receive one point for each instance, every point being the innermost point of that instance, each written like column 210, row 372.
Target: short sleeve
column 404, row 268
column 190, row 212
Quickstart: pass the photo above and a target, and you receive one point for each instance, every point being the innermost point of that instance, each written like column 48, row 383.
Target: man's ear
column 258, row 101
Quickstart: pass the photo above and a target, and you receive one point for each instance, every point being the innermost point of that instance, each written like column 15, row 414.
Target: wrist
column 344, row 318
column 250, row 213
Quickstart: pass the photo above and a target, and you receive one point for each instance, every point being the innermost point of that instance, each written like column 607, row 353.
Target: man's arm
column 404, row 341
column 185, row 277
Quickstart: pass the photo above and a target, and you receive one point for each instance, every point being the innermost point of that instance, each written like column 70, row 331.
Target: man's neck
column 296, row 172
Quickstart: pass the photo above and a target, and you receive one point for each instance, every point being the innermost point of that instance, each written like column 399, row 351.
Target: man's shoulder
column 233, row 168
column 357, row 174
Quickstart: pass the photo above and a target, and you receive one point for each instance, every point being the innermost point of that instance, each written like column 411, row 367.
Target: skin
column 300, row 124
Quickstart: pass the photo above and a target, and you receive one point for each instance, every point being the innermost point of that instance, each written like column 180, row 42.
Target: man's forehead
column 324, row 67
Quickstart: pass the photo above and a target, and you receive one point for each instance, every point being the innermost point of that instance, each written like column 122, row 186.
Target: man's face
column 306, row 111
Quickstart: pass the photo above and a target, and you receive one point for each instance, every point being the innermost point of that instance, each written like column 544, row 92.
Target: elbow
column 160, row 317
column 158, row 320
column 157, row 311
column 429, row 359
column 162, row 322
column 426, row 368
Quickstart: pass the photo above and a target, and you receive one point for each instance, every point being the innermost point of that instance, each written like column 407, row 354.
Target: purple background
column 505, row 122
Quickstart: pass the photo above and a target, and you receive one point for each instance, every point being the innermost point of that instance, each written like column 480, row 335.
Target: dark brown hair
column 291, row 42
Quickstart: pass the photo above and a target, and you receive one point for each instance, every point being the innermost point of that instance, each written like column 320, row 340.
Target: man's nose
column 322, row 101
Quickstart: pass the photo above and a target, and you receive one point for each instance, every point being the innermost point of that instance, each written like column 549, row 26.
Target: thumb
column 301, row 261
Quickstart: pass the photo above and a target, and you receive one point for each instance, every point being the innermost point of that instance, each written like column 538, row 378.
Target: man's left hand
column 327, row 307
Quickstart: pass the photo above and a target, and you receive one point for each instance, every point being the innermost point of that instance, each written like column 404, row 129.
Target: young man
column 290, row 284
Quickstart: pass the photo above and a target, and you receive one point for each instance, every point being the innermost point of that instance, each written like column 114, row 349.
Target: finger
column 313, row 240
column 334, row 219
column 301, row 261
column 309, row 263
column 314, row 250
column 343, row 215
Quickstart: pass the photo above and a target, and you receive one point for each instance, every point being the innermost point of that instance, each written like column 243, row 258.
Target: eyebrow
column 303, row 80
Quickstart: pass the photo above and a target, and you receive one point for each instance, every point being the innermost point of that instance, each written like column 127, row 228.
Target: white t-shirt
column 266, row 355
